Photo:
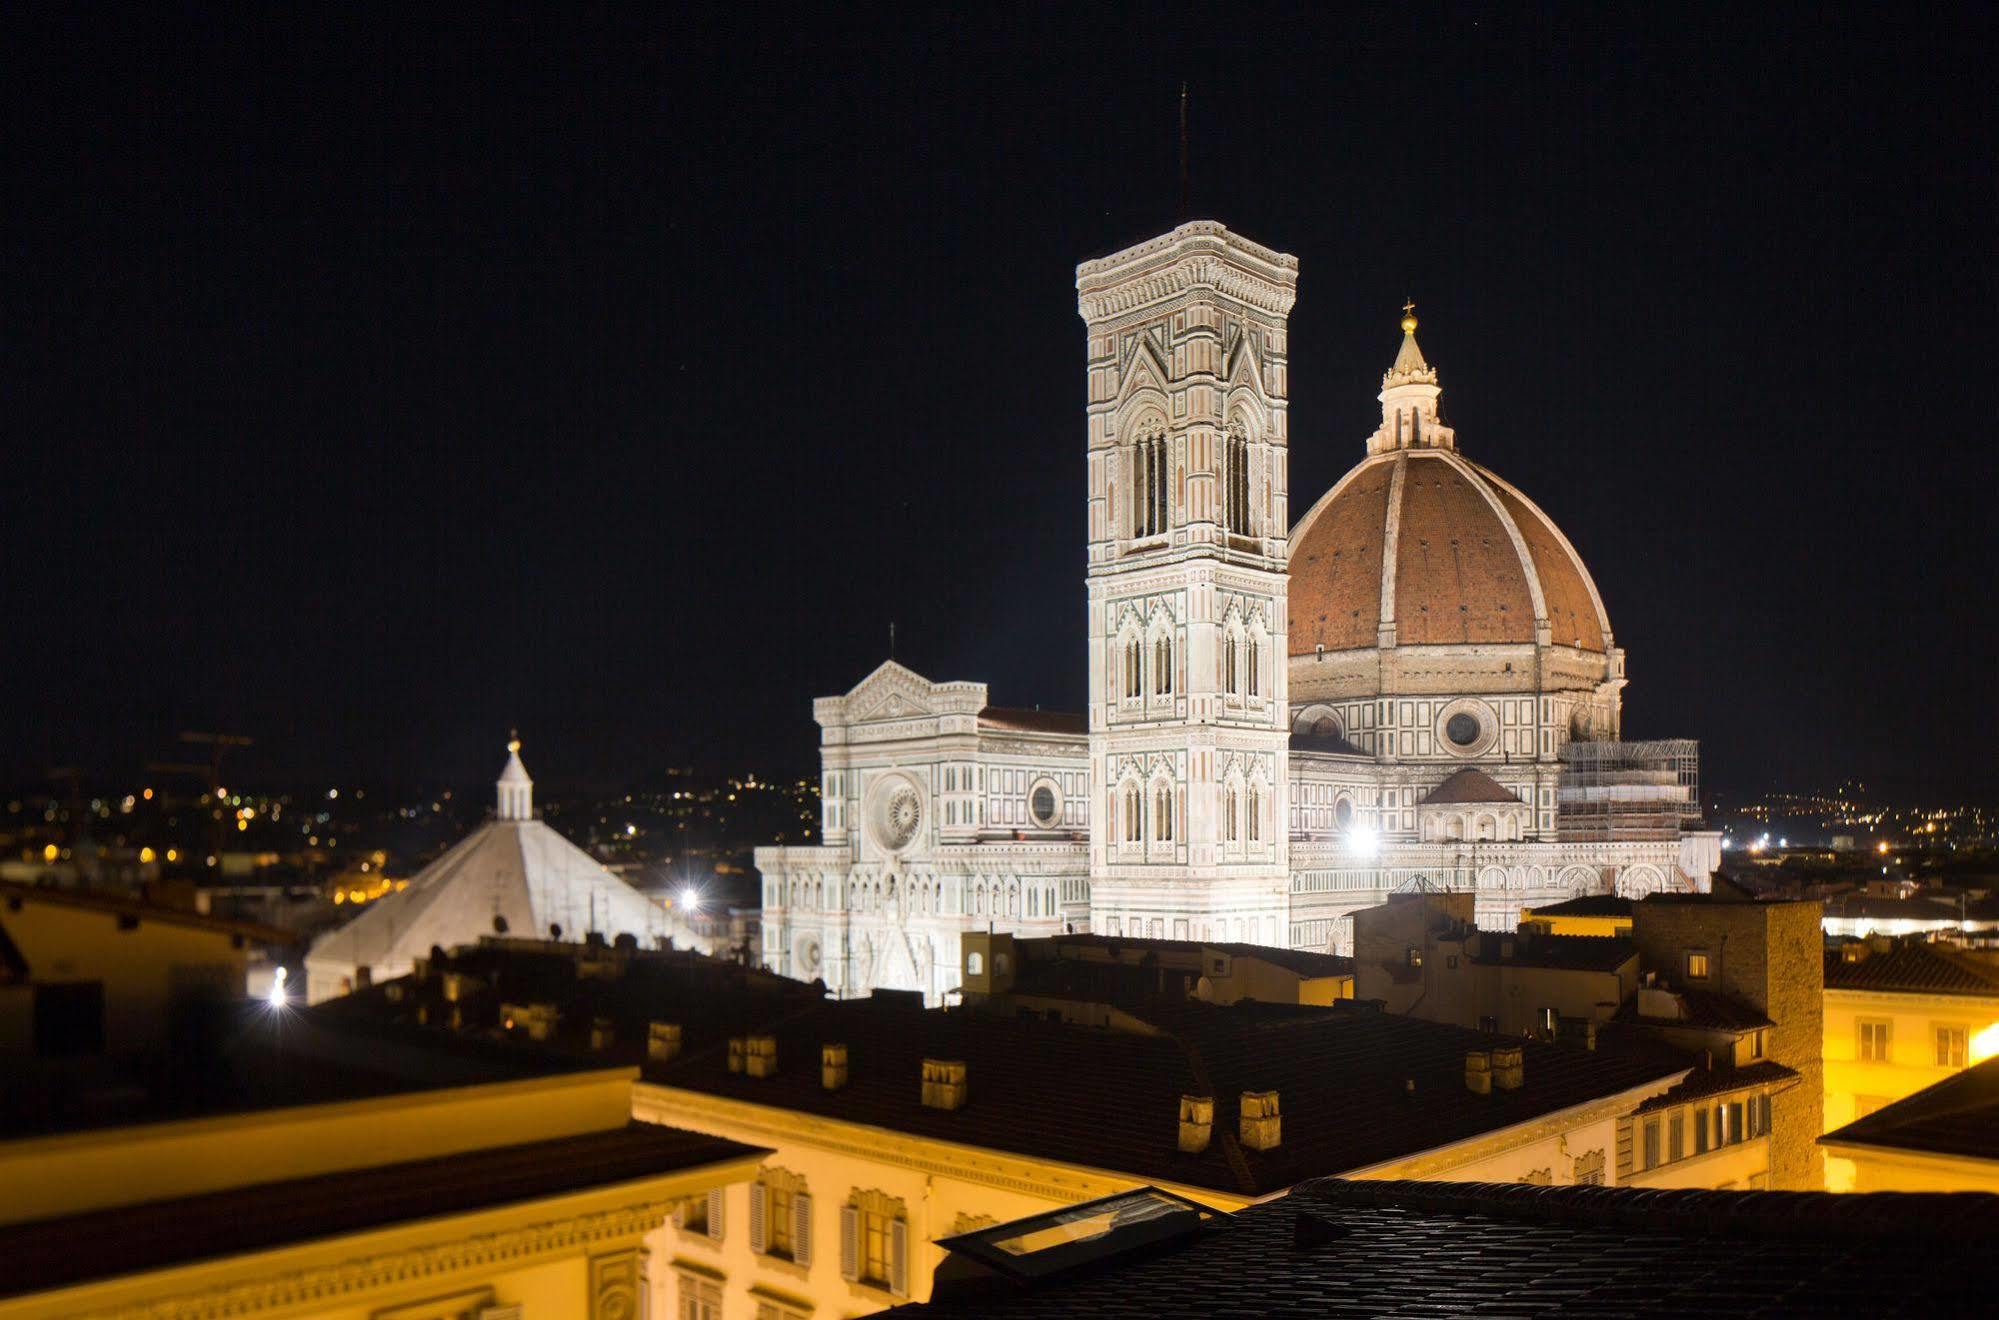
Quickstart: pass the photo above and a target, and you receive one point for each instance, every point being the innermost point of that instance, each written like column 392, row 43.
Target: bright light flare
column 1362, row 841
column 690, row 898
column 276, row 994
column 1984, row 1045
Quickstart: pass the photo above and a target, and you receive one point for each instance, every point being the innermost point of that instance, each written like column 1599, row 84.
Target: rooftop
column 1910, row 967
column 1708, row 1009
column 1466, row 786
column 14, row 894
column 1578, row 953
column 1588, row 905
column 53, row 1253
column 1357, row 1086
column 1333, row 1247
column 1957, row 1116
column 1020, row 719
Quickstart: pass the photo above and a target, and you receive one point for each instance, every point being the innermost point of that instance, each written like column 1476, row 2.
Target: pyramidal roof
column 512, row 875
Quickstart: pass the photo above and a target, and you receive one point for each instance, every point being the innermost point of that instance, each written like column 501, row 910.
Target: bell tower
column 1189, row 723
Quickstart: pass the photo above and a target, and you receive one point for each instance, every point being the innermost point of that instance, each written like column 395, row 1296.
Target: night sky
column 371, row 389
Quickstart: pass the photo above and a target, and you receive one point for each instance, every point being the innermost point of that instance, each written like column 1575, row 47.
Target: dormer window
column 1696, row 966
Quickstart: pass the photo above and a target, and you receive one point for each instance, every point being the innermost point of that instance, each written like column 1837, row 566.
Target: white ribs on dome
column 1273, row 709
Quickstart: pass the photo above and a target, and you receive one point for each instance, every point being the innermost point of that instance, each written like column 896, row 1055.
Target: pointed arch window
column 1235, row 481
column 1134, row 667
column 1162, row 812
column 1255, row 664
column 1134, row 827
column 1255, row 814
column 1233, row 808
column 1149, row 463
column 1162, row 664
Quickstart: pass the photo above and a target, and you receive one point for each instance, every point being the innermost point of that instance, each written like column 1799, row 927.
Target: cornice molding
column 334, row 1284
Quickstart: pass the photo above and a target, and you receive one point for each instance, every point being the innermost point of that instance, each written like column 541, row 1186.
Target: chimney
column 1197, row 1122
column 1507, row 1070
column 459, row 986
column 602, row 1033
column 1262, row 1129
column 944, row 1083
column 736, row 1049
column 832, row 1066
column 1478, row 1072
column 760, row 1056
column 662, row 1041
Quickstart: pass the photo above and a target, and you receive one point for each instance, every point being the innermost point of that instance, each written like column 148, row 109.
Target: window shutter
column 801, row 1228
column 715, row 1214
column 849, row 1243
column 759, row 1199
column 898, row 1258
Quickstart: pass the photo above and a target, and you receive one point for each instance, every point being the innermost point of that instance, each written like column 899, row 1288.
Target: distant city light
column 50, row 852
column 146, row 855
column 690, row 898
column 1362, row 841
column 1882, row 847
column 277, row 991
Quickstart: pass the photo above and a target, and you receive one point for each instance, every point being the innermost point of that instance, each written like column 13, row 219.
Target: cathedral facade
column 1415, row 685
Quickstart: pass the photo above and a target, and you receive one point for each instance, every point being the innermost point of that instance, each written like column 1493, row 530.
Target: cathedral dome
column 1444, row 550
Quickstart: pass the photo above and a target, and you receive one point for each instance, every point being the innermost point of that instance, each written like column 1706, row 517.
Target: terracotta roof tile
column 1957, row 1116
column 1469, row 785
column 1911, row 968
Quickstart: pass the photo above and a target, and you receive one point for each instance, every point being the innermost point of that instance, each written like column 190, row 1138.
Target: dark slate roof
column 1110, row 1100
column 1578, row 953
column 53, row 1253
column 1588, row 905
column 1466, row 786
column 1957, row 1116
column 1329, row 744
column 125, row 905
column 1021, row 719
column 1707, row 1009
column 1719, row 1081
column 1334, row 1248
column 1302, row 961
column 1912, row 967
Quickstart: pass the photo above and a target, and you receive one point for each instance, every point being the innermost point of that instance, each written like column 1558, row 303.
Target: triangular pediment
column 1143, row 369
column 892, row 692
column 1244, row 370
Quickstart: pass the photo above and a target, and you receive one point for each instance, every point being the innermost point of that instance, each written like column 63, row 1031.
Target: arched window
column 1162, row 664
column 1134, row 829
column 1149, row 462
column 1255, row 661
column 1235, row 482
column 1255, row 814
column 1134, row 667
column 1231, row 812
column 1162, row 812
column 1229, row 663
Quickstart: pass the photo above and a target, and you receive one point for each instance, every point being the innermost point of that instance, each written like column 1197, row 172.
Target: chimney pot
column 1478, row 1072
column 737, row 1049
column 1507, row 1069
column 832, row 1066
column 1197, row 1122
column 1261, row 1126
column 760, row 1056
column 602, row 1033
column 944, row 1083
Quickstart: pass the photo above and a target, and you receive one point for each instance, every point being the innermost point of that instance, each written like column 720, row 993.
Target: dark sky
column 372, row 388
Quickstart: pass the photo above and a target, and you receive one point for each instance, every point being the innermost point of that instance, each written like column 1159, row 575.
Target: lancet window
column 1149, row 461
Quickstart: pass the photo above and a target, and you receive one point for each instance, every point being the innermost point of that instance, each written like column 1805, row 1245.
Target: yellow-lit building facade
column 844, row 1217
column 477, row 1202
column 1900, row 1018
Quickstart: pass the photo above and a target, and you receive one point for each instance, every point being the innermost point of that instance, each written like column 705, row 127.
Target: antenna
column 891, row 639
column 1183, row 150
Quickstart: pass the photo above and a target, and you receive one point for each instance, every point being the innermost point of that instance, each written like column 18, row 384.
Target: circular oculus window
column 1463, row 729
column 1044, row 806
column 898, row 816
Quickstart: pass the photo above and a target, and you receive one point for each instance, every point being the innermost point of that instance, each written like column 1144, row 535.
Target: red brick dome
column 1446, row 551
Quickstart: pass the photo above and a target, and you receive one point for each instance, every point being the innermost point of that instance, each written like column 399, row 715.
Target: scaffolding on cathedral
column 1628, row 790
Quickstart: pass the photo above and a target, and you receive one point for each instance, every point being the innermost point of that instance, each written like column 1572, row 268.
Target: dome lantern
column 1409, row 393
column 516, row 790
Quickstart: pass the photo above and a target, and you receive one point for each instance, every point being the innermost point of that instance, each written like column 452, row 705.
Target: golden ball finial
column 1409, row 318
column 513, row 740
